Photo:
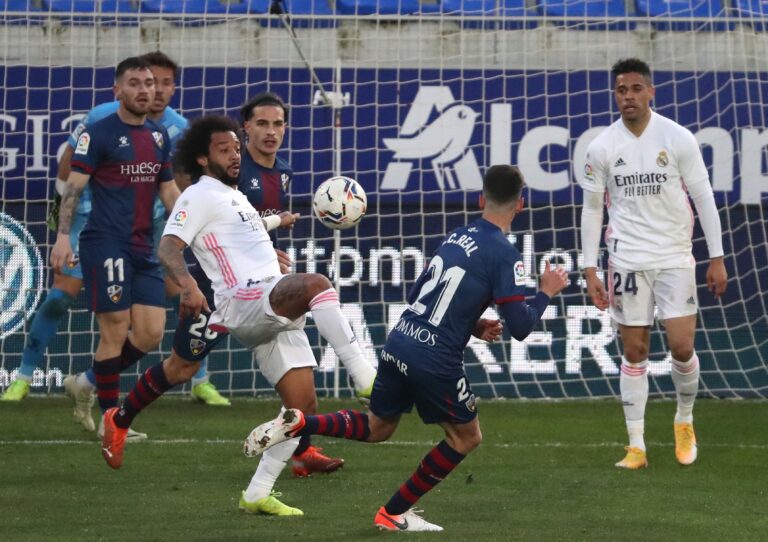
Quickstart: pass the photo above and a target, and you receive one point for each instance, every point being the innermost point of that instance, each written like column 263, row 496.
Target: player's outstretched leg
column 82, row 392
column 398, row 514
column 334, row 327
column 273, row 432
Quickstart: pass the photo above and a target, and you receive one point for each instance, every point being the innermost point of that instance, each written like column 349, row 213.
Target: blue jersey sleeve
column 522, row 317
column 509, row 295
column 87, row 152
column 94, row 115
column 509, row 279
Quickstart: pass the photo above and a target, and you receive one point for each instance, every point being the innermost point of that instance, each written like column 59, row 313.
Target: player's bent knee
column 147, row 339
column 317, row 283
column 635, row 353
column 682, row 353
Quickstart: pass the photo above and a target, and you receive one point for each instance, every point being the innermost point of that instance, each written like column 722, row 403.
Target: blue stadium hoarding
column 540, row 120
column 417, row 141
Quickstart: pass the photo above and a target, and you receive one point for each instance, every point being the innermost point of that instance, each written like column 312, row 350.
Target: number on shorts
column 452, row 278
column 113, row 265
column 201, row 323
column 461, row 386
column 630, row 285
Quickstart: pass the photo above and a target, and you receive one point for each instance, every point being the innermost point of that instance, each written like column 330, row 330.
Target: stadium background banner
column 418, row 141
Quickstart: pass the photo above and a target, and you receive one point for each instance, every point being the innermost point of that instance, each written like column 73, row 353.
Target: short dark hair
column 631, row 65
column 265, row 98
column 196, row 142
column 131, row 63
column 502, row 184
column 160, row 59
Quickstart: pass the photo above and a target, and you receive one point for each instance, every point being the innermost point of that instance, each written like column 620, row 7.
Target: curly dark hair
column 196, row 142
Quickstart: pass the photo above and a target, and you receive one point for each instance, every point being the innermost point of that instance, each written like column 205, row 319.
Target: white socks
column 685, row 375
column 82, row 382
column 272, row 463
column 634, row 395
column 333, row 326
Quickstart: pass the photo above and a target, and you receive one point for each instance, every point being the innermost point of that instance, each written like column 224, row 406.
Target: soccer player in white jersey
column 644, row 167
column 262, row 308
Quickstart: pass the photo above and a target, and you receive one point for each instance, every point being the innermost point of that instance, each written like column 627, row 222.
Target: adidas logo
column 234, row 203
column 619, row 162
column 691, row 301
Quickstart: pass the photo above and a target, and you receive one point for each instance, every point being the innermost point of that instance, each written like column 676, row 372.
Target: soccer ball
column 339, row 203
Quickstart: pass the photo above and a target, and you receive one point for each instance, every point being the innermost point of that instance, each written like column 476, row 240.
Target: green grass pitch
column 544, row 472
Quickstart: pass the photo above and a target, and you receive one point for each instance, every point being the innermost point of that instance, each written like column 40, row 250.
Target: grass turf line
column 544, row 472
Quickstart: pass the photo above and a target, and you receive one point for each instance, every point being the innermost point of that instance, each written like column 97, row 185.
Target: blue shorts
column 73, row 269
column 116, row 276
column 194, row 339
column 401, row 383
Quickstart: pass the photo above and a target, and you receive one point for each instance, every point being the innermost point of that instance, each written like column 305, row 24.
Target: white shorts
column 632, row 295
column 279, row 344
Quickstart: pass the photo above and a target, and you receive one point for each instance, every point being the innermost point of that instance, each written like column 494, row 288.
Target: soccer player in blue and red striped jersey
column 264, row 179
column 264, row 176
column 125, row 160
column 422, row 361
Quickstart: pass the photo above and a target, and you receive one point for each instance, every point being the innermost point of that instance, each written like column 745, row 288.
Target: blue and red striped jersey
column 265, row 188
column 474, row 266
column 127, row 164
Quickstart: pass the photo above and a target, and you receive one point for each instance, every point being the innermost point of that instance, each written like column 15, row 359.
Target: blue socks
column 202, row 373
column 45, row 324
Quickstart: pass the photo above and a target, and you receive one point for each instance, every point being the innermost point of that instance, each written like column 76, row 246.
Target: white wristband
column 60, row 186
column 271, row 222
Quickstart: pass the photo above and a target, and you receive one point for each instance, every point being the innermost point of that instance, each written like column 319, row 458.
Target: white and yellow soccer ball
column 340, row 203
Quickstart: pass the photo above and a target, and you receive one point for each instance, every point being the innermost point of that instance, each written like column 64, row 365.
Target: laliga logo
column 21, row 275
column 445, row 141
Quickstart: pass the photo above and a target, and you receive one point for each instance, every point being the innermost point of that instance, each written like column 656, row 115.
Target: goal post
column 433, row 100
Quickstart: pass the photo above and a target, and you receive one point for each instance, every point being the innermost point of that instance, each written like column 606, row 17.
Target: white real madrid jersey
column 226, row 234
column 644, row 179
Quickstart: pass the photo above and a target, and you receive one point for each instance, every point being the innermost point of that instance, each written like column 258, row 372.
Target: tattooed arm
column 171, row 255
column 62, row 249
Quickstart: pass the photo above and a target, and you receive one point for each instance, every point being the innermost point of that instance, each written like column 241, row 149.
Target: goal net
column 427, row 101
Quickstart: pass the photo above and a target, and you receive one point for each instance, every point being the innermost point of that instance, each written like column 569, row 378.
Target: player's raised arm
column 521, row 316
column 62, row 249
